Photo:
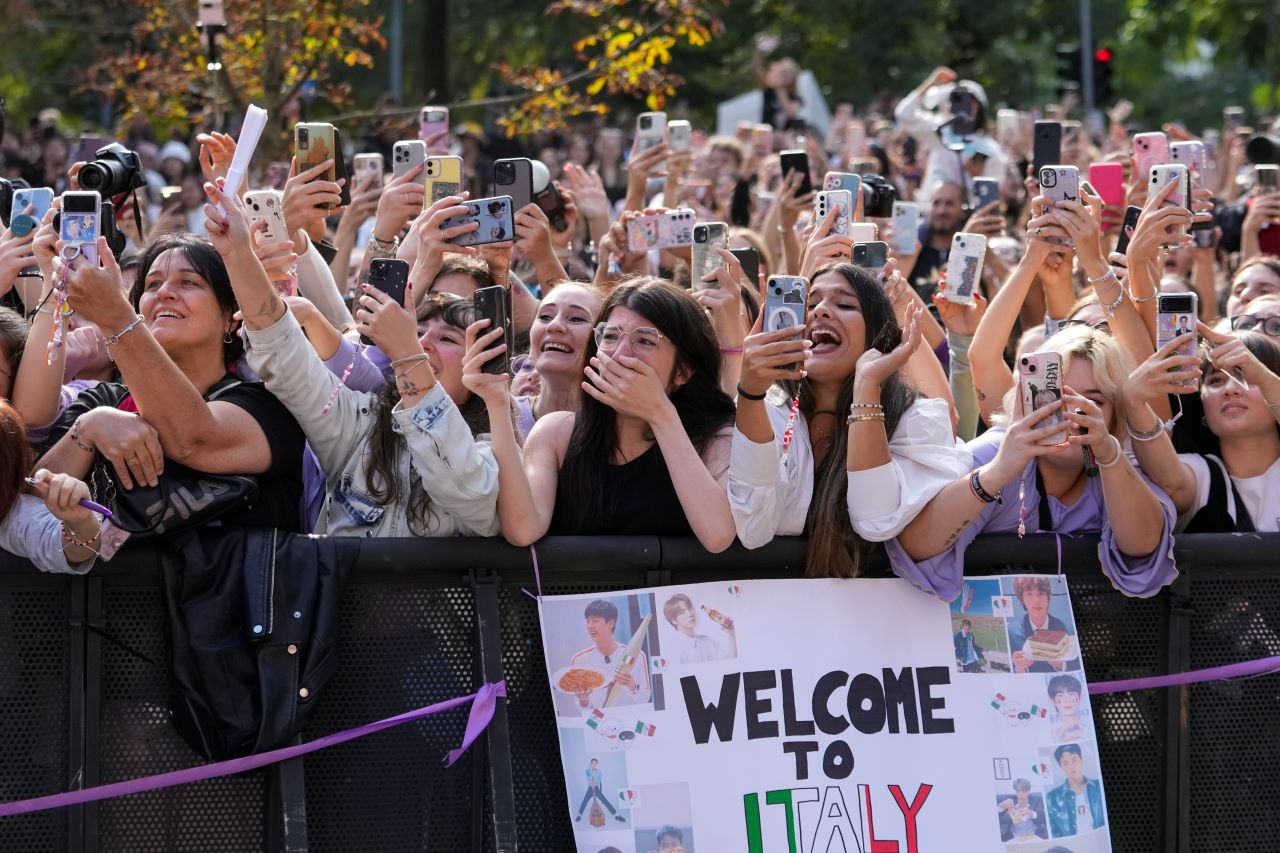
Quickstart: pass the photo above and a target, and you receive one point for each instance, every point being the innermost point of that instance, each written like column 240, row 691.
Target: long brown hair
column 835, row 548
column 15, row 456
column 385, row 444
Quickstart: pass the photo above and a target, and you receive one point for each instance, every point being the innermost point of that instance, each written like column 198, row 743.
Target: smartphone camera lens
column 1031, row 368
column 304, row 137
column 700, row 234
column 646, row 122
column 505, row 173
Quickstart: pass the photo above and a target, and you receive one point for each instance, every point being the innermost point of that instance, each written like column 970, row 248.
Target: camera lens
column 646, row 122
column 505, row 173
column 700, row 233
column 1031, row 368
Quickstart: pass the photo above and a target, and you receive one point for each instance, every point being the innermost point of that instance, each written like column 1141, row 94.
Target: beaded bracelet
column 66, row 534
column 853, row 406
column 873, row 416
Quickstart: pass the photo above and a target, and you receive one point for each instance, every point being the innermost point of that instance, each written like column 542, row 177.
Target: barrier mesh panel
column 542, row 806
column 33, row 713
column 1124, row 638
column 402, row 648
column 1235, row 727
column 136, row 739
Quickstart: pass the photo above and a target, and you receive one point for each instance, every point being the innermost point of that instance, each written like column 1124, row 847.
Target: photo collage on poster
column 612, row 659
column 1020, row 632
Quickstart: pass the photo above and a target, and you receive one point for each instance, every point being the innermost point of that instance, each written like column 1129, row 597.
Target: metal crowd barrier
column 83, row 693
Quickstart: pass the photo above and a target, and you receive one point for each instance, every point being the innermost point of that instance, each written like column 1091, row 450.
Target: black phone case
column 750, row 261
column 552, row 205
column 798, row 162
column 340, row 170
column 391, row 276
column 1048, row 145
column 1131, row 215
column 494, row 304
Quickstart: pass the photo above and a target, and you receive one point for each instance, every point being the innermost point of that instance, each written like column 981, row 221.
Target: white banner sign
column 820, row 716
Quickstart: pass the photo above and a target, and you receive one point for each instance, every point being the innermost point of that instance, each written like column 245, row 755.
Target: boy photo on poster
column 1021, row 812
column 978, row 630
column 696, row 631
column 1075, row 804
column 1042, row 631
column 605, row 647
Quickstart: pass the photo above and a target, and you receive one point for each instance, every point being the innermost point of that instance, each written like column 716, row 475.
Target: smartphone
column 1008, row 128
column 1060, row 183
column 443, row 175
column 864, row 232
column 843, row 181
column 313, row 143
column 797, row 160
column 1176, row 315
column 667, row 230
column 964, row 267
column 81, row 224
column 39, row 199
column 211, row 14
column 707, row 237
column 749, row 259
column 1267, row 176
column 680, row 133
column 651, row 130
column 366, row 166
column 761, row 141
column 433, row 121
column 1232, row 118
column 6, row 201
column 1192, row 155
column 1131, row 215
column 407, row 154
column 1181, row 196
column 496, row 218
column 494, row 304
column 1150, row 149
column 855, row 140
column 1047, row 144
column 267, row 206
column 871, row 256
column 906, row 228
column 841, row 201
column 391, row 276
column 1040, row 383
column 549, row 200
column 785, row 298
column 1108, row 180
column 514, row 177
column 985, row 191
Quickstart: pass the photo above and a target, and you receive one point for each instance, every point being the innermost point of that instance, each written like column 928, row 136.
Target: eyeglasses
column 1269, row 326
column 644, row 341
column 1101, row 325
column 522, row 364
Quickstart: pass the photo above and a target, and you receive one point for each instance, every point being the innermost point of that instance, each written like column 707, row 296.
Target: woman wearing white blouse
column 843, row 448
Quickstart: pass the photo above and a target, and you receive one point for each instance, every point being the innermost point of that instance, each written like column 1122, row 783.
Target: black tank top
column 639, row 500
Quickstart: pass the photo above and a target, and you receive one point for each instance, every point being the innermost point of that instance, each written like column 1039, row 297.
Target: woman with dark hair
column 558, row 341
column 48, row 526
column 1236, row 489
column 405, row 460
column 174, row 340
column 829, row 417
column 648, row 451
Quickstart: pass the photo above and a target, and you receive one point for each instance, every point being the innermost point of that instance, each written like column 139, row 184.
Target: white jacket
column 31, row 531
column 770, row 494
column 458, row 471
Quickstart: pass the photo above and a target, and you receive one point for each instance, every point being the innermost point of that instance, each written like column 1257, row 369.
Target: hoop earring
column 1204, row 420
column 227, row 339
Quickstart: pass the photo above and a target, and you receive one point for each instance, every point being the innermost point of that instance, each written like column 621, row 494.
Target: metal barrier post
column 76, row 714
column 485, row 586
column 1177, row 816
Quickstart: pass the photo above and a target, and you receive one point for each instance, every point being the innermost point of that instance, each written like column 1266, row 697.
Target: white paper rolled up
column 255, row 121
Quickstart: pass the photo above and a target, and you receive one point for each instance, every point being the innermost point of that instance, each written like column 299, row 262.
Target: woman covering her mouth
column 830, row 440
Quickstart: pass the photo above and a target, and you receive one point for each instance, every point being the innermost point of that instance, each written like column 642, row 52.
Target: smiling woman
column 558, row 343
column 173, row 339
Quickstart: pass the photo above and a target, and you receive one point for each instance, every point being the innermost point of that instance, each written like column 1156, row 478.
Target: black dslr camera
column 878, row 196
column 116, row 171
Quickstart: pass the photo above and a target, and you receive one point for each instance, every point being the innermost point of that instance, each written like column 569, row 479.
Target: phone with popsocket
column 39, row 199
column 785, row 301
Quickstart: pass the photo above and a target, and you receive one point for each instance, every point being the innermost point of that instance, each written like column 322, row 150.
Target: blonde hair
column 1111, row 366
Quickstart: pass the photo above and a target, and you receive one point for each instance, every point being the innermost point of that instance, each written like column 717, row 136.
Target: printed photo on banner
column 594, row 793
column 1020, row 809
column 663, row 819
column 1042, row 631
column 978, row 627
column 603, row 648
column 1094, row 842
column 1022, row 708
column 1070, row 719
column 696, row 629
column 1074, row 802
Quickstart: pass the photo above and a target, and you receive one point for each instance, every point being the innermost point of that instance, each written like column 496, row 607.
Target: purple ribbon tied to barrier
column 1246, row 669
column 483, row 704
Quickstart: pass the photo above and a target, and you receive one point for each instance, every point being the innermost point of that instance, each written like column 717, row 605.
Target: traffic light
column 1069, row 70
column 1102, row 91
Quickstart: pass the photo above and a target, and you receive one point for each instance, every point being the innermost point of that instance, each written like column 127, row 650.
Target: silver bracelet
column 1152, row 435
column 113, row 340
column 386, row 248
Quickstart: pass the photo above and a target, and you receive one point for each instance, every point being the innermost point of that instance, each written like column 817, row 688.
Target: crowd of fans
column 641, row 399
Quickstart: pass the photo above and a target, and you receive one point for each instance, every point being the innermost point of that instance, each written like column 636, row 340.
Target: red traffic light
column 1102, row 55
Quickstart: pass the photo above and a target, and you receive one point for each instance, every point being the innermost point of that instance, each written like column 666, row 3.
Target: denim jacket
column 458, row 471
